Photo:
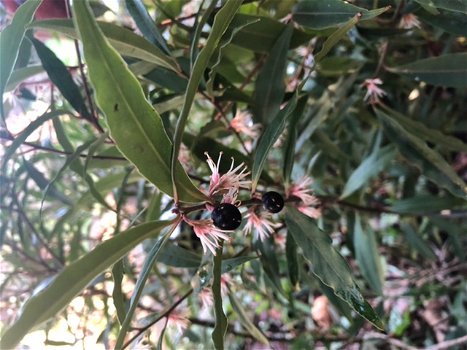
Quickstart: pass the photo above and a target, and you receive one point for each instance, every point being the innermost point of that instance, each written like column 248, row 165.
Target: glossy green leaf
column 10, row 41
column 368, row 258
column 134, row 124
column 221, row 22
column 336, row 36
column 327, row 264
column 445, row 70
column 371, row 166
column 262, row 35
column 318, row 14
column 125, row 41
column 449, row 21
column 270, row 85
column 138, row 291
column 269, row 136
column 245, row 320
column 74, row 278
column 220, row 327
column 20, row 75
column 452, row 5
column 430, row 135
column 416, row 242
column 146, row 24
column 61, row 77
column 432, row 164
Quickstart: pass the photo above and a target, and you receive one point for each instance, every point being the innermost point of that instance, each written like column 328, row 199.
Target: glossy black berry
column 273, row 202
column 226, row 216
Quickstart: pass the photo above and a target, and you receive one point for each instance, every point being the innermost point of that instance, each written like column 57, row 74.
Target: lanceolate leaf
column 270, row 135
column 270, row 85
column 368, row 259
column 125, row 41
column 452, row 5
column 74, row 278
column 10, row 41
column 446, row 70
column 221, row 22
column 21, row 74
column 432, row 164
column 318, row 14
column 220, row 327
column 134, row 124
column 449, row 21
column 59, row 75
column 327, row 264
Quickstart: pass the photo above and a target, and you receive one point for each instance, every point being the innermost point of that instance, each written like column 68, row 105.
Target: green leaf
column 138, row 291
column 368, row 258
column 337, row 66
column 10, row 41
column 318, row 14
column 452, row 5
column 425, row 203
column 376, row 162
column 61, row 77
column 134, row 124
column 245, row 320
column 221, row 22
column 431, row 135
column 269, row 136
column 447, row 70
column 125, row 41
column 429, row 161
column 416, row 242
column 146, row 24
column 292, row 259
column 262, row 35
column 20, row 75
column 232, row 263
column 270, row 85
column 74, row 278
column 327, row 264
column 221, row 324
column 176, row 256
column 336, row 36
column 449, row 21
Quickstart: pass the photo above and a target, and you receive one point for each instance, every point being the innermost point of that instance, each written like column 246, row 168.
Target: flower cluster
column 373, row 91
column 309, row 204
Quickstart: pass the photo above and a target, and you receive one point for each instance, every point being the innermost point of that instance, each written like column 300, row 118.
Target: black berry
column 273, row 202
column 226, row 216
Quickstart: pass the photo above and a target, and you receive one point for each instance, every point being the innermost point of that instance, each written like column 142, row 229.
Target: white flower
column 243, row 124
column 208, row 234
column 373, row 92
column 409, row 21
column 259, row 223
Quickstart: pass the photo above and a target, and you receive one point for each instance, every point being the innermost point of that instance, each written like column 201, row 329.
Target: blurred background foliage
column 389, row 170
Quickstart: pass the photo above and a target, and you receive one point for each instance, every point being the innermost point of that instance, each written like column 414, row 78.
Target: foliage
column 117, row 150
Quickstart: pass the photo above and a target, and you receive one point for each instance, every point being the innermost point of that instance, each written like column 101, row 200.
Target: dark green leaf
column 368, row 258
column 449, row 21
column 146, row 24
column 327, row 264
column 74, row 278
column 318, row 14
column 453, row 5
column 424, row 204
column 221, row 324
column 446, row 70
column 292, row 259
column 10, row 41
column 61, row 77
column 230, row 264
column 270, row 85
column 416, row 242
column 134, row 124
column 176, row 256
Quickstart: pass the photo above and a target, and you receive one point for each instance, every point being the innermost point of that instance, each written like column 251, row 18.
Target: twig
column 448, row 343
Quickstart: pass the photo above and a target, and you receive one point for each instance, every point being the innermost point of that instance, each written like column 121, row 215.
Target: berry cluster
column 226, row 216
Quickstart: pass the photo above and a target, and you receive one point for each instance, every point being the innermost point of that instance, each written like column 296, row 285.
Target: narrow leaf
column 74, row 278
column 134, row 124
column 270, row 85
column 368, row 259
column 138, row 291
column 245, row 320
column 221, row 22
column 318, row 14
column 269, row 136
column 20, row 75
column 61, row 77
column 327, row 264
column 146, row 24
column 416, row 242
column 220, row 327
column 125, row 41
column 452, row 5
column 447, row 70
column 10, row 41
column 292, row 259
column 449, row 21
